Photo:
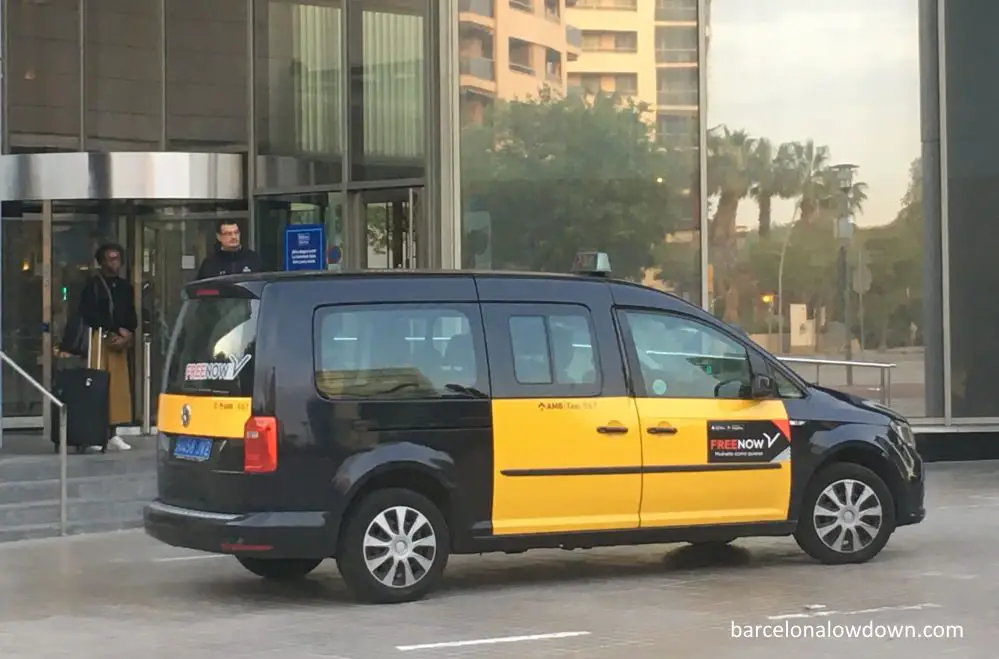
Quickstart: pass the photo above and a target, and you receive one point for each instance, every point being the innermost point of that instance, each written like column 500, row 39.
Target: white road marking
column 196, row 557
column 489, row 641
column 964, row 577
column 879, row 609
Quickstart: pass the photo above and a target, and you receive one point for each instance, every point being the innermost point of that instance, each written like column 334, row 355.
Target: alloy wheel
column 400, row 546
column 847, row 516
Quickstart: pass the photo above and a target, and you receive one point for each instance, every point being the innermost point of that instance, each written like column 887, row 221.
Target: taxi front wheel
column 847, row 516
column 394, row 547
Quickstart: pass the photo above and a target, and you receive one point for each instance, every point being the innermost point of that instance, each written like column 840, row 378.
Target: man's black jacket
column 224, row 262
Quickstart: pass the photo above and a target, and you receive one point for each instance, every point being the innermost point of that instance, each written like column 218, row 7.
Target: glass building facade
column 812, row 172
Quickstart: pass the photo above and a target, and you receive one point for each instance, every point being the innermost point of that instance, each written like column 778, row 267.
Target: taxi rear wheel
column 279, row 569
column 394, row 547
column 847, row 517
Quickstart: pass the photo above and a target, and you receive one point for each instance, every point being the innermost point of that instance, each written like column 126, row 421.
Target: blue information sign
column 304, row 247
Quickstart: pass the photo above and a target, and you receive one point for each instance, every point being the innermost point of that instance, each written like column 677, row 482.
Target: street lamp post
column 844, row 231
column 780, row 280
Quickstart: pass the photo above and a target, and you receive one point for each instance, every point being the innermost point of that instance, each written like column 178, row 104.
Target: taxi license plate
column 192, row 448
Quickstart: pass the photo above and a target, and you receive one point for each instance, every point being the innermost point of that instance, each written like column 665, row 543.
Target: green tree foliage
column 895, row 258
column 558, row 175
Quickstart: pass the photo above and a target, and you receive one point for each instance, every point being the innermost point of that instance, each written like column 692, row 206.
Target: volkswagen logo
column 185, row 415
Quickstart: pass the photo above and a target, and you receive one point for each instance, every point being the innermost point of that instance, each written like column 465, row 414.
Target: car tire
column 279, row 569
column 857, row 533
column 408, row 570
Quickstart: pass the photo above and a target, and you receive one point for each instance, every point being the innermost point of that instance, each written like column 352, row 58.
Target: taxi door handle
column 612, row 430
column 661, row 430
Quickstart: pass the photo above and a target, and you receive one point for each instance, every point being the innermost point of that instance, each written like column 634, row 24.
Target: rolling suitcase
column 85, row 393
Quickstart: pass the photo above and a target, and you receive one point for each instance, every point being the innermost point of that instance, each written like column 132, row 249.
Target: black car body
column 391, row 419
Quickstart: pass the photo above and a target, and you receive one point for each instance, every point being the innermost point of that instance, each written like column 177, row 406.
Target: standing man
column 230, row 257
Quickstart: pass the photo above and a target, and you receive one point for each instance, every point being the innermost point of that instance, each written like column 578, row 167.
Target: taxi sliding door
column 567, row 444
column 712, row 455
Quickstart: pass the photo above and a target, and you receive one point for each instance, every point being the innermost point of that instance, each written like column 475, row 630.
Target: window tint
column 552, row 349
column 212, row 348
column 681, row 358
column 394, row 352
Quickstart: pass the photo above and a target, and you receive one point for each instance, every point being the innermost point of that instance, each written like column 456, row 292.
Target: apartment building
column 513, row 49
column 644, row 49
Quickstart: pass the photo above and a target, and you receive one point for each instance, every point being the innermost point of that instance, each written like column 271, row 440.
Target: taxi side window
column 397, row 352
column 786, row 388
column 552, row 349
column 683, row 358
column 541, row 350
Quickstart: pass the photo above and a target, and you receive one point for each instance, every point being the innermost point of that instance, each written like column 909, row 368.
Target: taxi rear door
column 567, row 443
column 712, row 454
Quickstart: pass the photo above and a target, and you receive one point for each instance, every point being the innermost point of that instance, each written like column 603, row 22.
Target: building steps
column 104, row 493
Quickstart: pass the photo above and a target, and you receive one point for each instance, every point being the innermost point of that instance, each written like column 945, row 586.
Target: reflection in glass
column 275, row 213
column 43, row 75
column 973, row 235
column 22, row 306
column 299, row 91
column 388, row 74
column 594, row 160
column 123, row 69
column 206, row 70
column 801, row 259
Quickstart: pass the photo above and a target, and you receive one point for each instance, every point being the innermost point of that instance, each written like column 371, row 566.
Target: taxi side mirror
column 763, row 386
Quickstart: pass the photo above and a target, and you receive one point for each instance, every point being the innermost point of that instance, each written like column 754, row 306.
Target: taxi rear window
column 211, row 351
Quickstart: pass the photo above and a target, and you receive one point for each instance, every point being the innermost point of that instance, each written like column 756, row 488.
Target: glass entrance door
column 392, row 219
column 174, row 242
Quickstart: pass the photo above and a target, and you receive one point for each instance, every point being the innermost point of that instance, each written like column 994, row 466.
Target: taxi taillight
column 260, row 445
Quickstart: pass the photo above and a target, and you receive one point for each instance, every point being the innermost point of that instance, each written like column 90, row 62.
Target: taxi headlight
column 904, row 432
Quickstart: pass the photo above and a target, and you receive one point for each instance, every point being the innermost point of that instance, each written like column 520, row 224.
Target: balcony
column 526, row 69
column 478, row 67
column 678, row 97
column 626, row 5
column 574, row 37
column 686, row 55
column 482, row 8
column 676, row 11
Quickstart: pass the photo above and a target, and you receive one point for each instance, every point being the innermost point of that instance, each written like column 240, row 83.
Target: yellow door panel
column 554, row 471
column 717, row 461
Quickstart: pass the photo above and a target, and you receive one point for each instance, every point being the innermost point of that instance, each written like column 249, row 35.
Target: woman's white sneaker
column 118, row 444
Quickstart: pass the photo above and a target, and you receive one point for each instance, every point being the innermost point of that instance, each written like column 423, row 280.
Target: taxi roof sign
column 591, row 263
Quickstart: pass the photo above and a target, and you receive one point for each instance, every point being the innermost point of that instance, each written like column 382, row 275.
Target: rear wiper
column 468, row 391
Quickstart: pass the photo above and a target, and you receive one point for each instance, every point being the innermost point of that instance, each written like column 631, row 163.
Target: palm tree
column 729, row 155
column 773, row 175
column 809, row 165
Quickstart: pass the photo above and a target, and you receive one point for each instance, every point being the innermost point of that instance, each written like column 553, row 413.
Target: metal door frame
column 356, row 231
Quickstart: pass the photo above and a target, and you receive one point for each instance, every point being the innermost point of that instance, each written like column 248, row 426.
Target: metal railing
column 480, row 67
column 63, row 526
column 478, row 7
column 147, row 388
column 884, row 369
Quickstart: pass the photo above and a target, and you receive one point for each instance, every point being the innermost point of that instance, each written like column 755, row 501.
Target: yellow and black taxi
column 388, row 420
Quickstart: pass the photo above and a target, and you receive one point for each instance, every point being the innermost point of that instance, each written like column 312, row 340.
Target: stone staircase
column 104, row 492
